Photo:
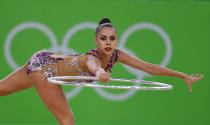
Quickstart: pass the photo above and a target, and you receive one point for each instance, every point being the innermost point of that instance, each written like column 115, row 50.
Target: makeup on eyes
column 104, row 37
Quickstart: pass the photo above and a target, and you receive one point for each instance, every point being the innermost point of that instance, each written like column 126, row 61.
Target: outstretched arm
column 156, row 69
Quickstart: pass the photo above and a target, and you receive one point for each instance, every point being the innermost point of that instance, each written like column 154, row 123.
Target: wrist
column 183, row 76
column 98, row 72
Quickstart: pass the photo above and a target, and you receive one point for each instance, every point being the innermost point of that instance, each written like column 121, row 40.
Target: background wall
column 174, row 34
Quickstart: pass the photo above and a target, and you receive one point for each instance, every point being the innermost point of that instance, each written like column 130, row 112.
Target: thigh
column 16, row 81
column 53, row 97
column 45, row 88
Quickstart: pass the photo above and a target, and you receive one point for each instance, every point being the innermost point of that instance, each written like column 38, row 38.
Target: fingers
column 104, row 77
column 192, row 79
column 197, row 75
column 200, row 76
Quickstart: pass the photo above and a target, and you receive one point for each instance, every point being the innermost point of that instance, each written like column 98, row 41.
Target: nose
column 108, row 42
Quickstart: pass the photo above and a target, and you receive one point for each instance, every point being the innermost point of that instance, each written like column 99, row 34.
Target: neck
column 104, row 58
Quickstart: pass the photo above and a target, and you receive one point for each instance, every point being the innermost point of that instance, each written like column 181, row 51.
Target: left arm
column 156, row 69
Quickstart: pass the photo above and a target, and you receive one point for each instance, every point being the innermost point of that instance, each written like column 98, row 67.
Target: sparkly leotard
column 44, row 62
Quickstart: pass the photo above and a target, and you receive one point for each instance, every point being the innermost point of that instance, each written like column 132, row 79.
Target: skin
column 107, row 37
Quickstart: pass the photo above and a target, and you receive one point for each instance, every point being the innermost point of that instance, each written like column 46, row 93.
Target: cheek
column 100, row 43
column 115, row 43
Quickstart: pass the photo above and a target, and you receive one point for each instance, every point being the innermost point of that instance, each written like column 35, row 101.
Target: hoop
column 138, row 83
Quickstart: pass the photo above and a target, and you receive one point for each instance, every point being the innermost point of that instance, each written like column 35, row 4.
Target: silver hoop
column 138, row 83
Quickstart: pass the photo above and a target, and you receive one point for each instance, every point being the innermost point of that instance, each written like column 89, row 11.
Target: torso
column 73, row 65
column 51, row 64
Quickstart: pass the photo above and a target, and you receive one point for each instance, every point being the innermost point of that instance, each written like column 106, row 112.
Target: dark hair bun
column 104, row 20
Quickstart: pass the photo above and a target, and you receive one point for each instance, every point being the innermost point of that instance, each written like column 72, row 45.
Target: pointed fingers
column 199, row 76
column 192, row 75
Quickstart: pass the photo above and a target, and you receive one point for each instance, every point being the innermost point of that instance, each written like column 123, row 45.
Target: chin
column 108, row 53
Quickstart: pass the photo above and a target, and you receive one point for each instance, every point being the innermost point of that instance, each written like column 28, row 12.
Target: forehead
column 107, row 31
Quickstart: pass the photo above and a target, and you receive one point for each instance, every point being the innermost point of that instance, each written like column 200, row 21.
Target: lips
column 108, row 49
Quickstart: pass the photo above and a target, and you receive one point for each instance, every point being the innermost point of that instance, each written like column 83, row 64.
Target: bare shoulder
column 122, row 56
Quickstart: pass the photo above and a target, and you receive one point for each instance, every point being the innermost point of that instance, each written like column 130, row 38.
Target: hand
column 104, row 77
column 190, row 79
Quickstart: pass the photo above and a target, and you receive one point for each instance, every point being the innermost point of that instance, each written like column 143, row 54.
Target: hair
column 105, row 22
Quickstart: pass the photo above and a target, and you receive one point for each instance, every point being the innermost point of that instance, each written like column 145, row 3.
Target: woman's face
column 106, row 40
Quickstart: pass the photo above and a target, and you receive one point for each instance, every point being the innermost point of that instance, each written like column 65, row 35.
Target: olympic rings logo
column 83, row 26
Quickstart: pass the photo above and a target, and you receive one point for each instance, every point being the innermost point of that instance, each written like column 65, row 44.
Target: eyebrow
column 107, row 36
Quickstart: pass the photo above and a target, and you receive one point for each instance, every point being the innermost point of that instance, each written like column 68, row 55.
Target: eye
column 112, row 38
column 103, row 38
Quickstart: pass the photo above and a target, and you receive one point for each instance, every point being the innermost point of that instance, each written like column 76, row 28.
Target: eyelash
column 112, row 39
column 103, row 39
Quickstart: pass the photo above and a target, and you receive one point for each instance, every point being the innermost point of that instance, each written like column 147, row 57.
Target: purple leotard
column 43, row 60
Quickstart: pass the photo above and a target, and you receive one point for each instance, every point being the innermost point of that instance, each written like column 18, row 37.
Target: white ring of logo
column 20, row 27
